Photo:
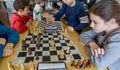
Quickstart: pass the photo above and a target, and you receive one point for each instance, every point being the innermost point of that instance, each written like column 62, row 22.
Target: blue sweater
column 10, row 35
column 75, row 16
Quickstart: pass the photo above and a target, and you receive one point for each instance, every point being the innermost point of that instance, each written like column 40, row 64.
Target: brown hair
column 39, row 1
column 20, row 4
column 107, row 9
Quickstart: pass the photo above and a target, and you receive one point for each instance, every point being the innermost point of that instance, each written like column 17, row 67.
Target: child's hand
column 30, row 20
column 28, row 24
column 2, row 41
column 96, row 50
column 50, row 20
column 71, row 28
column 8, row 50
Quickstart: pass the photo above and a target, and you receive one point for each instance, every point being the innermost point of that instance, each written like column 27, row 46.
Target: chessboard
column 55, row 24
column 36, row 47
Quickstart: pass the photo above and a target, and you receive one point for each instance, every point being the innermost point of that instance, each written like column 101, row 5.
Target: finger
column 92, row 52
column 99, row 51
column 96, row 52
column 9, row 53
column 102, row 51
column 4, row 53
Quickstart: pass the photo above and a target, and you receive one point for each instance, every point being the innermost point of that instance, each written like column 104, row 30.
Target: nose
column 92, row 24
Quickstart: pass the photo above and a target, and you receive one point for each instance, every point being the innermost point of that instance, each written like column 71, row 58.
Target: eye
column 94, row 22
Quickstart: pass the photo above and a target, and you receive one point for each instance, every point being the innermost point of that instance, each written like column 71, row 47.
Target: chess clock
column 51, row 29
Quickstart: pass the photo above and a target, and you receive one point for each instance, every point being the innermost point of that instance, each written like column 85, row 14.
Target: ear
column 20, row 10
column 111, row 22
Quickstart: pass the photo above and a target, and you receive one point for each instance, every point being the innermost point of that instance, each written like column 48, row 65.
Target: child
column 104, row 38
column 37, row 12
column 8, row 38
column 59, row 3
column 75, row 15
column 20, row 20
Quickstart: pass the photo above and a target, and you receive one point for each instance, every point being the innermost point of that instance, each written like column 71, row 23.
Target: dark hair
column 39, row 1
column 20, row 4
column 107, row 9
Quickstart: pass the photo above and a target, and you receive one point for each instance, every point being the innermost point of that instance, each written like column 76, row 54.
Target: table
column 75, row 38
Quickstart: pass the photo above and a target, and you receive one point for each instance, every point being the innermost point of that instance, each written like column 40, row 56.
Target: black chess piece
column 30, row 52
column 24, row 44
column 23, row 48
column 73, row 63
column 37, row 57
column 33, row 39
column 78, row 64
column 38, row 46
column 83, row 65
column 88, row 64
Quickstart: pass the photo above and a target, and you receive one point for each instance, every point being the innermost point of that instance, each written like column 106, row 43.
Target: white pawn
column 68, row 50
column 22, row 67
column 31, row 65
column 10, row 66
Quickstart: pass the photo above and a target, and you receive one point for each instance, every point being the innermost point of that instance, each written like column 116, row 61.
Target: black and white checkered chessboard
column 45, row 53
column 55, row 24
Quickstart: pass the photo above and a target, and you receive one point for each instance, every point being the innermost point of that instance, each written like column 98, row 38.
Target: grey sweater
column 110, row 43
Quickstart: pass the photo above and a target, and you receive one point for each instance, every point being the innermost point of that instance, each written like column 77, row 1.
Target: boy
column 20, row 20
column 103, row 41
column 37, row 11
column 8, row 38
column 76, row 17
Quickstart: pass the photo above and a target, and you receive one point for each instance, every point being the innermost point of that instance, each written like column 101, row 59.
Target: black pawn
column 37, row 57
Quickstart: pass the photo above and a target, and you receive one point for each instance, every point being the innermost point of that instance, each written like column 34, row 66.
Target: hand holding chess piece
column 10, row 66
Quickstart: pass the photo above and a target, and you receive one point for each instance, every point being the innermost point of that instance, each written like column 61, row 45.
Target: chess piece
column 38, row 46
column 88, row 64
column 37, row 57
column 23, row 48
column 62, row 54
column 38, row 38
column 73, row 63
column 24, row 44
column 30, row 52
column 68, row 50
column 53, row 44
column 31, row 65
column 37, row 30
column 22, row 67
column 70, row 43
column 10, row 66
column 83, row 65
column 78, row 64
column 70, row 55
column 33, row 39
column 61, row 37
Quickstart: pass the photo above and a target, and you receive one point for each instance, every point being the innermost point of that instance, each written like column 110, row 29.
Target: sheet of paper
column 53, row 66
